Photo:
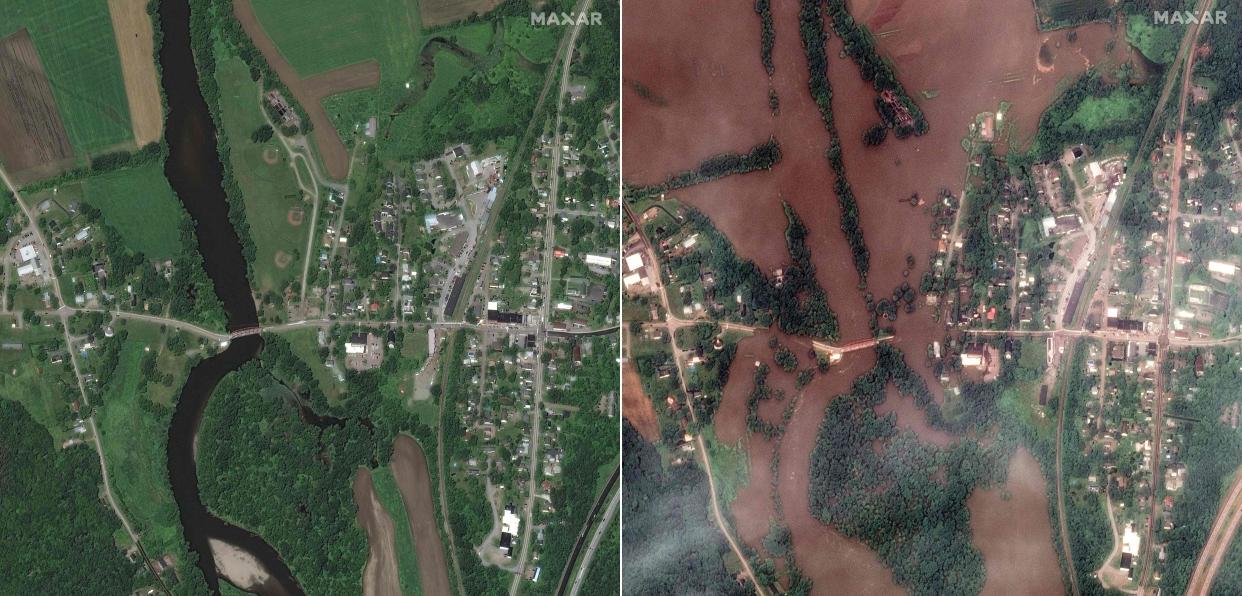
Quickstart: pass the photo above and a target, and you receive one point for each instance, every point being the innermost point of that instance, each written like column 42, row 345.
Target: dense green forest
column 1211, row 451
column 761, row 157
column 264, row 468
column 798, row 304
column 814, row 44
column 1224, row 73
column 669, row 542
column 903, row 498
column 59, row 531
column 860, row 45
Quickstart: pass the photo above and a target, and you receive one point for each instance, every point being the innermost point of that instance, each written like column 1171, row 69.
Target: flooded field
column 636, row 405
column 1011, row 527
column 697, row 92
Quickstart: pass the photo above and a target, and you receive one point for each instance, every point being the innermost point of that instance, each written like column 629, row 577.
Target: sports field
column 277, row 215
column 77, row 47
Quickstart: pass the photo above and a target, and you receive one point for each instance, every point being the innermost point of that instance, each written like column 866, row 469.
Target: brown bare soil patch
column 282, row 259
column 345, row 78
column 434, row 13
column 1015, row 534
column 271, row 155
column 636, row 406
column 380, row 575
column 309, row 92
column 33, row 141
column 132, row 27
column 409, row 468
column 296, row 216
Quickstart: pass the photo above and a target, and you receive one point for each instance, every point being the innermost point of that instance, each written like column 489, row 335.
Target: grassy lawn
column 1158, row 43
column 1095, row 113
column 390, row 497
column 305, row 344
column 269, row 190
column 77, row 47
column 27, row 377
column 523, row 37
column 137, row 201
column 134, row 433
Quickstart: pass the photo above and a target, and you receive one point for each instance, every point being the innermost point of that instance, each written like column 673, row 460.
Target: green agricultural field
column 1158, row 43
column 135, row 431
column 140, row 204
column 1095, row 113
column 137, row 201
column 1070, row 12
column 390, row 497
column 269, row 189
column 320, row 35
column 76, row 44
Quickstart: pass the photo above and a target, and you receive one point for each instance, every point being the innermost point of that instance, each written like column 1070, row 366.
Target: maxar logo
column 565, row 18
column 1187, row 17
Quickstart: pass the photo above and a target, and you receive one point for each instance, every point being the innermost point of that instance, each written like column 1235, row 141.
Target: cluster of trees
column 814, row 44
column 104, row 163
column 1211, row 452
column 189, row 294
column 263, row 467
column 903, row 498
column 669, row 543
column 798, row 304
column 761, row 157
column 1059, row 129
column 711, row 376
column 759, row 393
column 860, row 45
column 59, row 531
column 767, row 37
column 1222, row 68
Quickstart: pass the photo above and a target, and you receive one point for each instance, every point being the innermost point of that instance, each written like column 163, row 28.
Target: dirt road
column 409, row 468
column 380, row 575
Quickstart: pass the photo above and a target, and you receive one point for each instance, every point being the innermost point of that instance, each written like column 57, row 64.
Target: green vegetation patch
column 77, row 47
column 135, row 431
column 319, row 35
column 59, row 531
column 140, row 204
column 1095, row 113
column 390, row 497
column 269, row 187
column 1158, row 43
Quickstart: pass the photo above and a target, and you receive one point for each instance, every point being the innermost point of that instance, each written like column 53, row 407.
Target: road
column 1216, row 548
column 109, row 495
column 580, row 562
column 1061, row 521
column 600, row 532
column 1162, row 355
column 657, row 282
column 541, row 339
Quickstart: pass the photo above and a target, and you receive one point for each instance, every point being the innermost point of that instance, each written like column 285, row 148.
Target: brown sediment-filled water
column 1016, row 564
column 691, row 93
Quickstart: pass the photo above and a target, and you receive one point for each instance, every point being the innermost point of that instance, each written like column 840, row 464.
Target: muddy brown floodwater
column 692, row 92
column 636, row 405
